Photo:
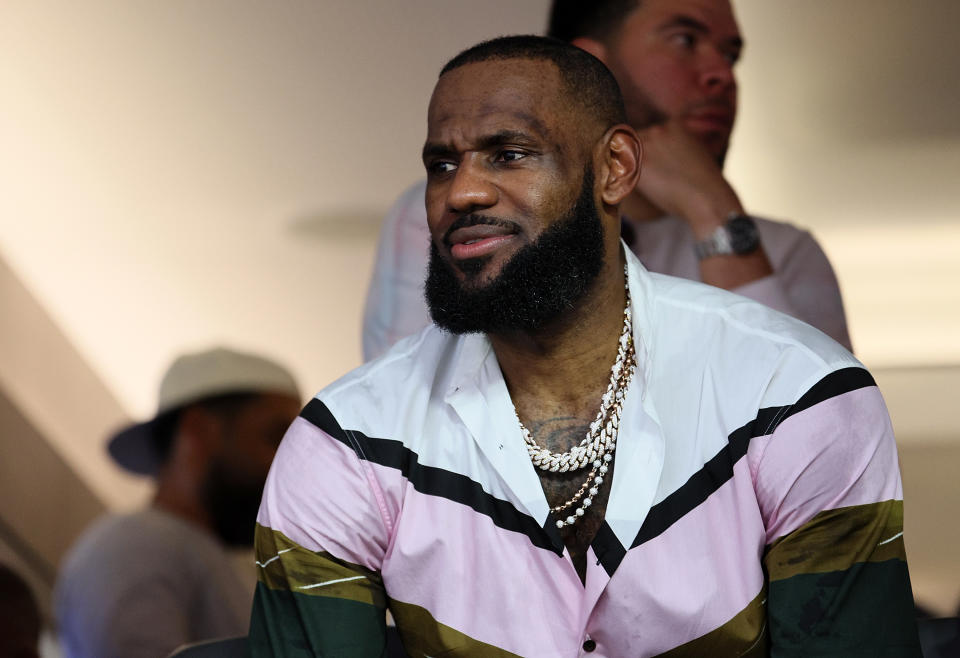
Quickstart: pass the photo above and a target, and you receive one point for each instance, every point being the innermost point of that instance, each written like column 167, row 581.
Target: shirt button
column 589, row 645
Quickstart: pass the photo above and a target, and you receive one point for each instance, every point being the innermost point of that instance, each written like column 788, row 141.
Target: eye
column 510, row 155
column 440, row 167
column 685, row 40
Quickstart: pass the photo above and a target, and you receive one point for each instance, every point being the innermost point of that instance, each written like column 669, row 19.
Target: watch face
column 743, row 233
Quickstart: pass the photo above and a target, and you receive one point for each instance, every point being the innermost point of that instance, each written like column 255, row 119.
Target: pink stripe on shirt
column 797, row 468
column 325, row 500
column 493, row 583
column 694, row 577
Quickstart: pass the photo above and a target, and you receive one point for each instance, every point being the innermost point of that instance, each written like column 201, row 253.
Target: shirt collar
column 478, row 393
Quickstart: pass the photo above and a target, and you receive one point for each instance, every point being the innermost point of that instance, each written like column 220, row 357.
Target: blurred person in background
column 674, row 61
column 142, row 584
column 19, row 617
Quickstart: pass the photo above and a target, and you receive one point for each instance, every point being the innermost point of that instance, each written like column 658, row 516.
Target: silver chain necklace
column 597, row 447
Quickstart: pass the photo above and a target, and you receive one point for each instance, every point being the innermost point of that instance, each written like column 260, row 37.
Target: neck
column 640, row 209
column 562, row 370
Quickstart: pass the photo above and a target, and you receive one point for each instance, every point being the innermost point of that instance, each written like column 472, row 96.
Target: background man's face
column 504, row 158
column 234, row 482
column 674, row 60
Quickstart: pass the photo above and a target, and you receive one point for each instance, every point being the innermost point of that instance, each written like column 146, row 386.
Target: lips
column 714, row 118
column 477, row 240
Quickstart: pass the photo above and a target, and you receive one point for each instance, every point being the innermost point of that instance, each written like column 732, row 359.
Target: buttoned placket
column 480, row 398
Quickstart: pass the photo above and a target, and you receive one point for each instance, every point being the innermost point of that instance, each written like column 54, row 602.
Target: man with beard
column 582, row 456
column 674, row 61
column 145, row 583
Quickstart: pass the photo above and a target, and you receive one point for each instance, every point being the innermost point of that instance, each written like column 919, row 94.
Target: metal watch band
column 738, row 235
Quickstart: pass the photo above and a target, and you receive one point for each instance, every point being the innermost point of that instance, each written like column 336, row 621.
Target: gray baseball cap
column 191, row 378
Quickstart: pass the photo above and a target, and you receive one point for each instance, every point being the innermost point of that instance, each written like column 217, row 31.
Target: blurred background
column 178, row 174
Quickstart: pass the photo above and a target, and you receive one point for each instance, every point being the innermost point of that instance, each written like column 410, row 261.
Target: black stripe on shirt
column 833, row 385
column 719, row 469
column 608, row 549
column 434, row 481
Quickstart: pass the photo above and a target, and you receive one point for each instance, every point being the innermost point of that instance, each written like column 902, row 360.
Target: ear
column 620, row 157
column 592, row 46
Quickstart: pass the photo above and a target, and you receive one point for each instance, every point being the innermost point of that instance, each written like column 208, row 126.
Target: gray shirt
column 142, row 584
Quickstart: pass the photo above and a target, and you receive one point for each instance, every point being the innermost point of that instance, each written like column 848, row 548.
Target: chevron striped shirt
column 755, row 509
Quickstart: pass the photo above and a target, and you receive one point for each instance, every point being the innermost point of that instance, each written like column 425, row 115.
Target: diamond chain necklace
column 597, row 447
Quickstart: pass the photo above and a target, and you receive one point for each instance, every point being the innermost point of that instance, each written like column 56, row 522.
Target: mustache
column 724, row 104
column 473, row 219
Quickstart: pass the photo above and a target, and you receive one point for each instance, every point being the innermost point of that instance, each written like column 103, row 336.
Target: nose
column 471, row 188
column 717, row 72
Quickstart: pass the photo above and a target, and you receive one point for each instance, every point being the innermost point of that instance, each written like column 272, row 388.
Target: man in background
column 145, row 583
column 674, row 61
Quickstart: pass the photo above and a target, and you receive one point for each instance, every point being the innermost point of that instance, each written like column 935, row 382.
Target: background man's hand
column 683, row 179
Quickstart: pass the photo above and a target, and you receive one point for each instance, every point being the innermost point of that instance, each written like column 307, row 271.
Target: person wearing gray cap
column 142, row 584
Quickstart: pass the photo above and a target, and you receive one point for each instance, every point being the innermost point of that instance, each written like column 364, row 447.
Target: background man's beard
column 642, row 113
column 232, row 499
column 537, row 285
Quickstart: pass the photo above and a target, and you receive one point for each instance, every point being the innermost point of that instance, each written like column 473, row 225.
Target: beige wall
column 55, row 477
column 176, row 174
column 931, row 473
column 43, row 504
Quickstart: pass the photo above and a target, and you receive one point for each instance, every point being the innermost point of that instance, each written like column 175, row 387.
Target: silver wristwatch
column 738, row 235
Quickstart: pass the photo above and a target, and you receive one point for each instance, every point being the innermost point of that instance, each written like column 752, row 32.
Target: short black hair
column 597, row 19
column 585, row 77
column 166, row 425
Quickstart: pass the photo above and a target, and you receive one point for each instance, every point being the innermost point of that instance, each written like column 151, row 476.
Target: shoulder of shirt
column 780, row 235
column 770, row 229
column 706, row 328
column 163, row 546
column 404, row 377
column 145, row 526
column 741, row 315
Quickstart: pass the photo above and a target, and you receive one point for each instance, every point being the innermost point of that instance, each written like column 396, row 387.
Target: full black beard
column 232, row 500
column 542, row 281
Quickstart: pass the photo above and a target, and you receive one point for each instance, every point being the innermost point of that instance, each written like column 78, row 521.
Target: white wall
column 179, row 173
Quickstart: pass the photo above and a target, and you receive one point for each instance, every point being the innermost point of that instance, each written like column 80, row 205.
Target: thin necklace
column 597, row 447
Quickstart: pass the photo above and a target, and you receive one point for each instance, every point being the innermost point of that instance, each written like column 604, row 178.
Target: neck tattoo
column 597, row 447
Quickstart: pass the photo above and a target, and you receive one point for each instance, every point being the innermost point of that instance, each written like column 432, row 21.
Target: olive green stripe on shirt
column 282, row 564
column 287, row 624
column 425, row 636
column 835, row 539
column 744, row 635
column 865, row 611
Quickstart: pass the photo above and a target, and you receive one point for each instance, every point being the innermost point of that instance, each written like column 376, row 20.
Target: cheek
column 253, row 456
column 544, row 199
column 528, row 200
column 661, row 82
column 536, row 200
column 435, row 208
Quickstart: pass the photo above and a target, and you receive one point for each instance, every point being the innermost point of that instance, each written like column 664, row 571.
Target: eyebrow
column 499, row 138
column 697, row 26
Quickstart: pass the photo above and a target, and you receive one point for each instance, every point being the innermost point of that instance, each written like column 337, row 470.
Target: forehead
column 512, row 94
column 714, row 15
